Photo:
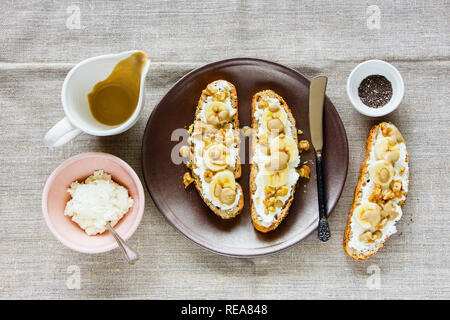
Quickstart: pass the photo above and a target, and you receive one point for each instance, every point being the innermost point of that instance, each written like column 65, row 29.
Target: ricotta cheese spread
column 97, row 201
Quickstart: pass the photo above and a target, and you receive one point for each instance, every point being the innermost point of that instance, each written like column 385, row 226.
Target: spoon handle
column 129, row 253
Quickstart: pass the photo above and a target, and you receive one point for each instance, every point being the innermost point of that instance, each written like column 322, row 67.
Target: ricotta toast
column 275, row 157
column 214, row 149
column 379, row 194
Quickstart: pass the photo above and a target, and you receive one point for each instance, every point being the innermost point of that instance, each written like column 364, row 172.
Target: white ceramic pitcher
column 74, row 96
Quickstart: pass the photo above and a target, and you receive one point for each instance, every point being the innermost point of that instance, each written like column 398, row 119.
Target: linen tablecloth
column 43, row 40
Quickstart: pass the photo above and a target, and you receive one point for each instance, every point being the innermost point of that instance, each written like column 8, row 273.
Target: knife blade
column 316, row 104
column 316, row 100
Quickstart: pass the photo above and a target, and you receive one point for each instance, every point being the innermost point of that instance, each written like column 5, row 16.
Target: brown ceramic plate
column 186, row 211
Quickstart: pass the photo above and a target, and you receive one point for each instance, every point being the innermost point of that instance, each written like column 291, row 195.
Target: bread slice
column 369, row 194
column 268, row 221
column 201, row 130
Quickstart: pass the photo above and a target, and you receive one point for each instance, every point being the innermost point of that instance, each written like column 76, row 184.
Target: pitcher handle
column 61, row 133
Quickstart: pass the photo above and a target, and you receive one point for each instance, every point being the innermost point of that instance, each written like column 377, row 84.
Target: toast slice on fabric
column 379, row 194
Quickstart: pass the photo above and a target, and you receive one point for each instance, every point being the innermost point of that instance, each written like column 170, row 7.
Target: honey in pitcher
column 114, row 100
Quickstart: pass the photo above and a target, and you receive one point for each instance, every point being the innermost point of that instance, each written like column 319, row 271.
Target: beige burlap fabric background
column 40, row 43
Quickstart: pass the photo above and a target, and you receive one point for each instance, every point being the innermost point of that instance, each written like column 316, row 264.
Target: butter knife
column 316, row 101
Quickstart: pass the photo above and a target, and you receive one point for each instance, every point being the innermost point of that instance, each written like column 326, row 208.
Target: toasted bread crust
column 254, row 168
column 233, row 212
column 357, row 199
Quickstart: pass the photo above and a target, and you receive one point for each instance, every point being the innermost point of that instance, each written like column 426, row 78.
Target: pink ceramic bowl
column 78, row 168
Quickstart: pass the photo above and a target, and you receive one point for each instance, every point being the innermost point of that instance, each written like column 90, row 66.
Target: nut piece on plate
column 184, row 151
column 304, row 171
column 303, row 145
column 246, row 131
column 187, row 179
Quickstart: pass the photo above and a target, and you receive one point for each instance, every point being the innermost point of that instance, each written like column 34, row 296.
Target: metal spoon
column 129, row 253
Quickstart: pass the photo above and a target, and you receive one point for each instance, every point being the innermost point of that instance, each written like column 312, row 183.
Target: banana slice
column 277, row 178
column 216, row 157
column 387, row 149
column 216, row 113
column 285, row 144
column 223, row 187
column 368, row 215
column 274, row 119
column 381, row 172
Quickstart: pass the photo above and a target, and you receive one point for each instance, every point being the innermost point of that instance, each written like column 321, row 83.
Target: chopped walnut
column 208, row 175
column 391, row 132
column 246, row 131
column 382, row 223
column 304, row 171
column 282, row 191
column 376, row 193
column 396, row 186
column 377, row 234
column 402, row 171
column 385, row 130
column 264, row 139
column 210, row 90
column 387, row 195
column 365, row 237
column 269, row 191
column 191, row 128
column 221, row 96
column 370, row 237
column 185, row 151
column 230, row 139
column 263, row 104
column 303, row 145
column 389, row 211
column 269, row 202
column 187, row 179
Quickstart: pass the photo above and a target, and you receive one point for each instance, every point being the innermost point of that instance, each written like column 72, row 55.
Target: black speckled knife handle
column 324, row 229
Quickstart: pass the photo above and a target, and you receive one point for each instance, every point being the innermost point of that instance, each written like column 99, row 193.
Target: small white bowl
column 375, row 67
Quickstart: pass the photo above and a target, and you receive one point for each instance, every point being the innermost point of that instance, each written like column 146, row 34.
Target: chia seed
column 375, row 91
